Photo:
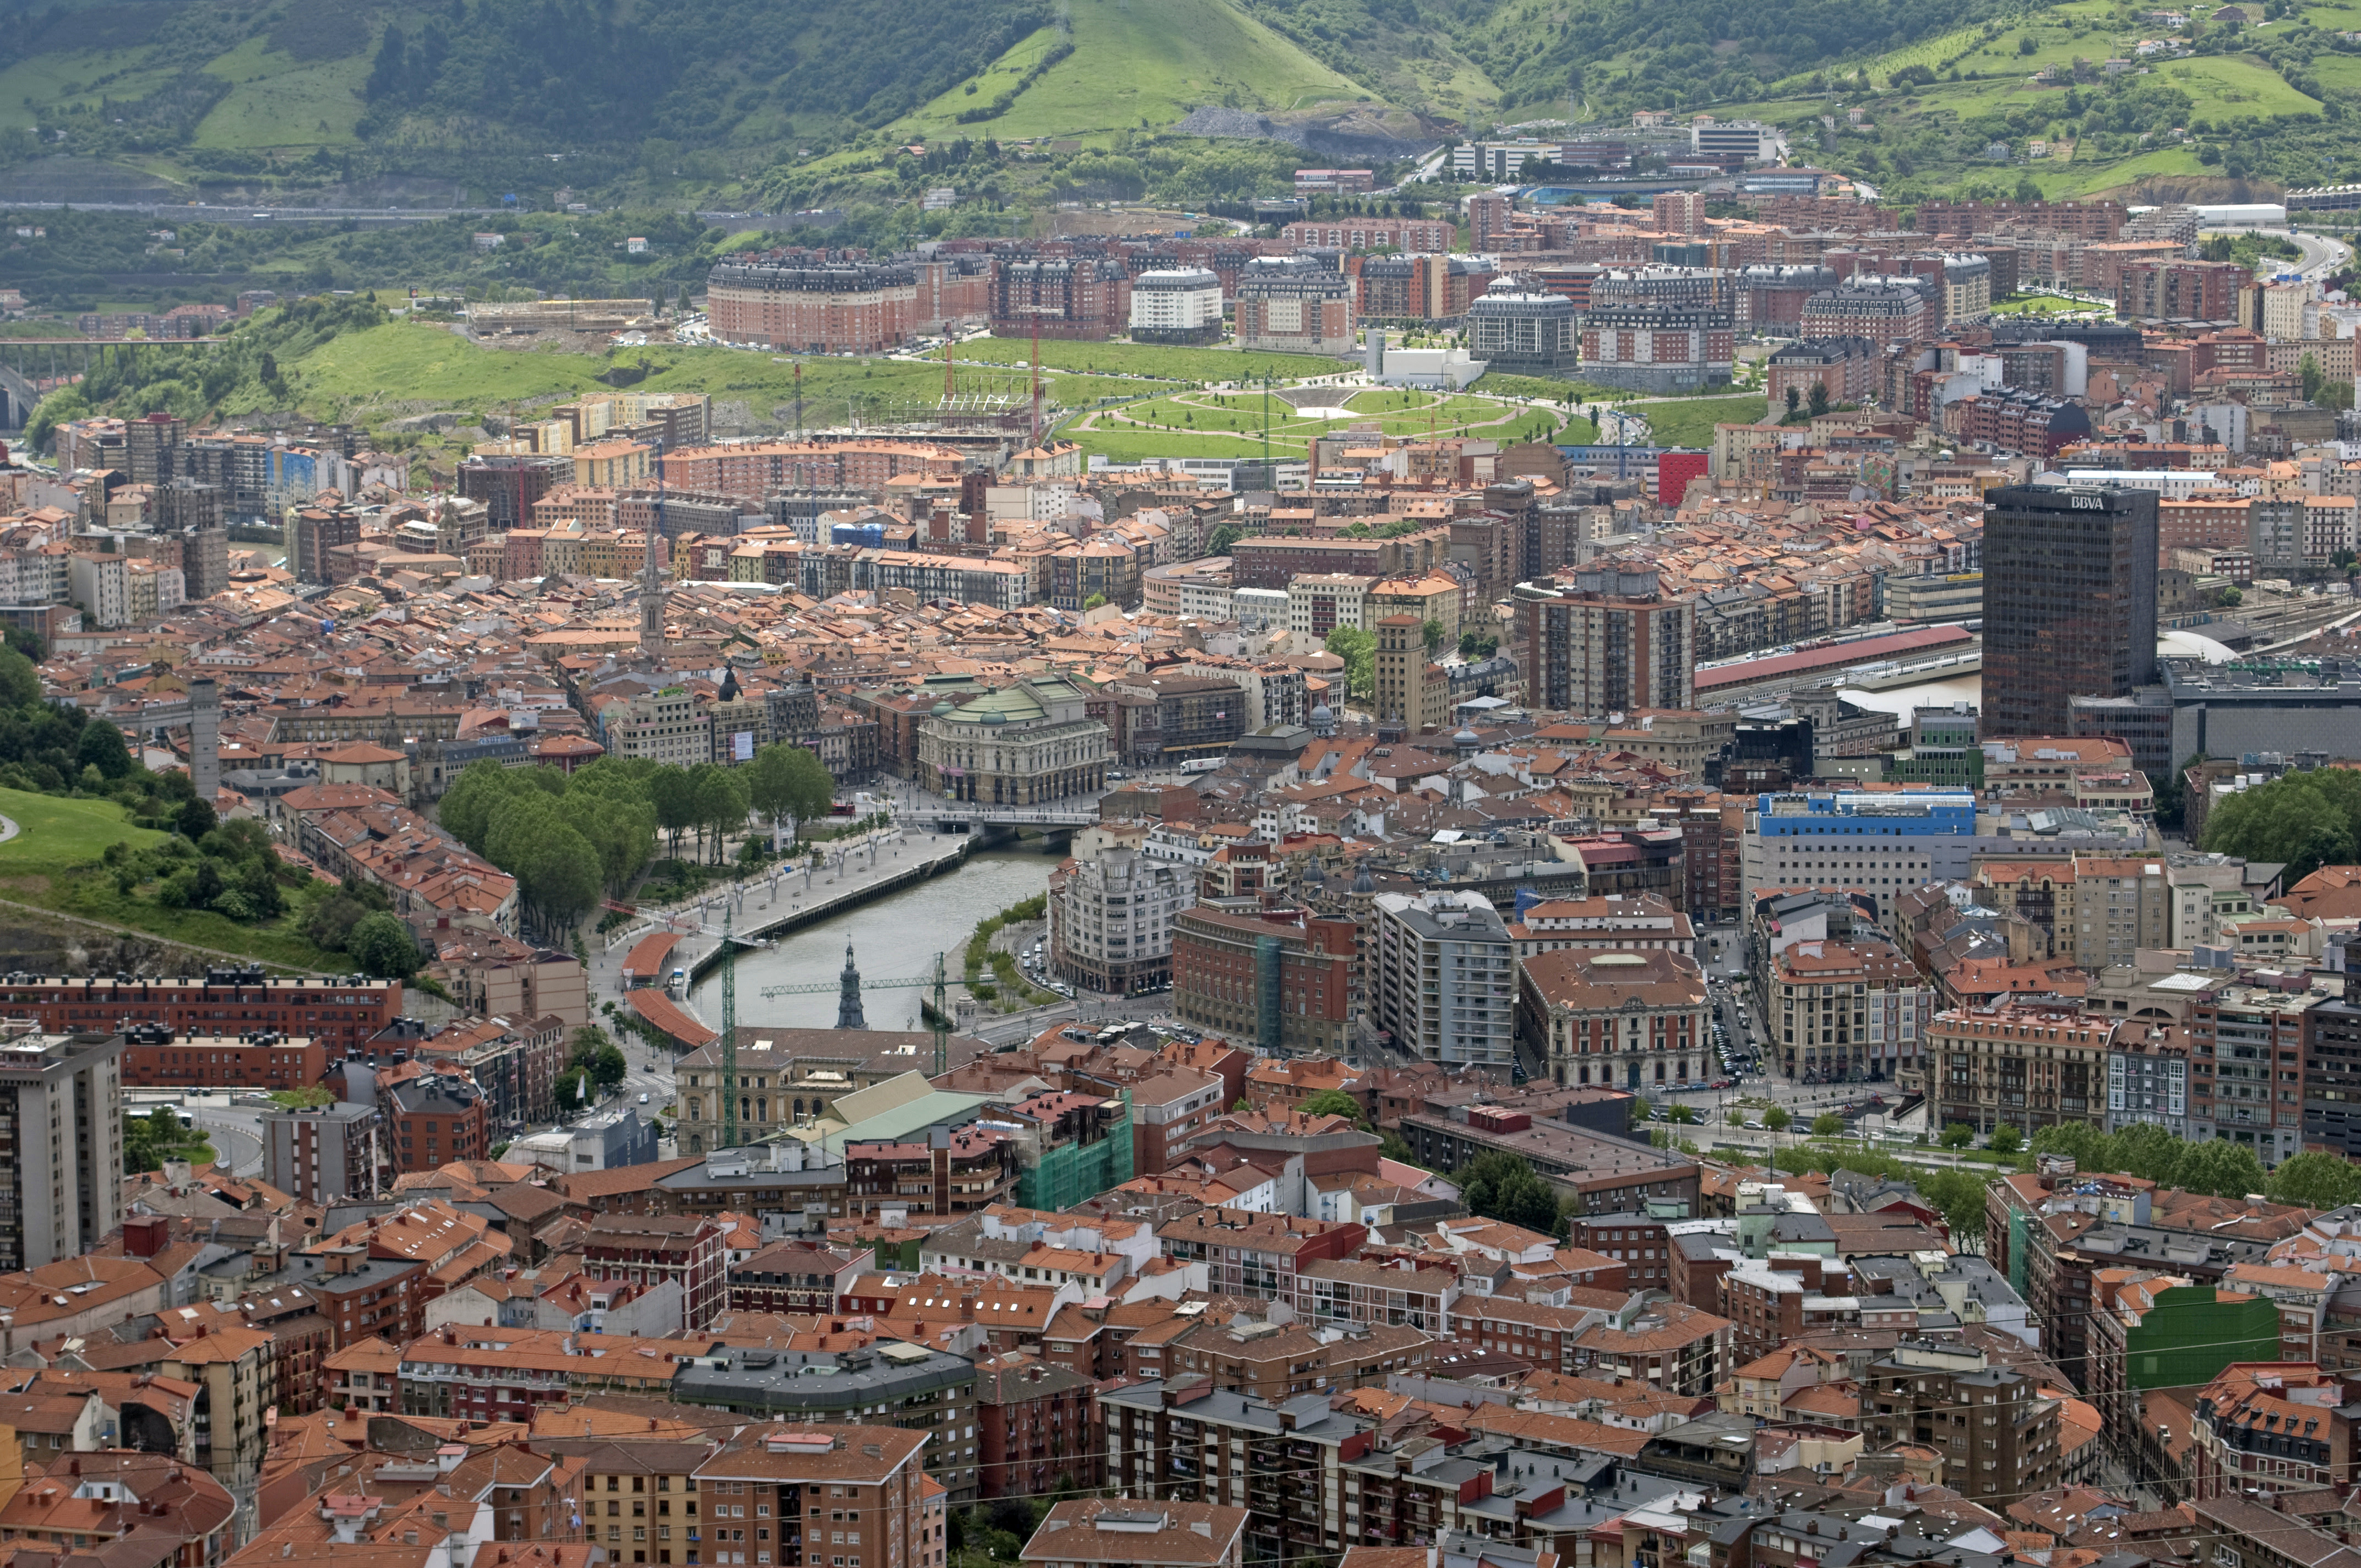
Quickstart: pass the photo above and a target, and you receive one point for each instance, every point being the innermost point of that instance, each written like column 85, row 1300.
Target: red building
column 1221, row 975
column 332, row 1012
column 1407, row 235
column 263, row 1060
column 647, row 1249
column 796, row 1277
column 824, row 308
column 1068, row 297
column 433, row 1119
column 2009, row 420
column 1674, row 472
column 2187, row 290
column 1037, row 1423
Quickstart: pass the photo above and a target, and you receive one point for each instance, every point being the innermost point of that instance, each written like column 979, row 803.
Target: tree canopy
column 1335, row 1103
column 2304, row 820
column 564, row 837
column 1504, row 1187
column 2220, row 1167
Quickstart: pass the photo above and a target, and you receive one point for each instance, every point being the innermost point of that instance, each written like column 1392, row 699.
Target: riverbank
column 894, row 936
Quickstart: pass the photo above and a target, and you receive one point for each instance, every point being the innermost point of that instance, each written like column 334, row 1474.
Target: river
column 891, row 936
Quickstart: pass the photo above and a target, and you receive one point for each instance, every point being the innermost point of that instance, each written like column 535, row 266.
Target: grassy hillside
column 740, row 102
column 1136, row 64
column 2218, row 109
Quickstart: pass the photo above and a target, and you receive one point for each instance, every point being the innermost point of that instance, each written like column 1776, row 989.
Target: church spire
column 847, row 998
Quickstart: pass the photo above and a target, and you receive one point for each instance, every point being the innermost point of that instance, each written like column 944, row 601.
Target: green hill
column 742, row 103
column 2225, row 112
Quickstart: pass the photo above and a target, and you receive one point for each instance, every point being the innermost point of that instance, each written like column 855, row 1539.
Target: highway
column 2322, row 256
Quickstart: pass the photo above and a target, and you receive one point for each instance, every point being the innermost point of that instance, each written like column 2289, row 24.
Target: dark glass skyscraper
column 2069, row 601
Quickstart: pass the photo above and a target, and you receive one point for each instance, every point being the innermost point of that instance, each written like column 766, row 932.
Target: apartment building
column 2024, row 1066
column 1995, row 1430
column 924, row 1398
column 663, row 726
column 649, row 1249
column 324, row 1154
column 851, row 1490
column 1260, row 1255
column 1320, row 602
column 1640, row 923
column 61, row 1143
column 340, row 1011
column 1611, row 642
column 1846, row 1010
column 1443, row 978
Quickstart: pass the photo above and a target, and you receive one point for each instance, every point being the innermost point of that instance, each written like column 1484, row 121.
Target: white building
column 101, row 586
column 1183, row 305
column 1321, row 602
column 1110, row 918
column 1748, row 140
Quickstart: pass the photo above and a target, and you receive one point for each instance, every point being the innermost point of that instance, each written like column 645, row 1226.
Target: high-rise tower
column 2069, row 601
column 651, row 584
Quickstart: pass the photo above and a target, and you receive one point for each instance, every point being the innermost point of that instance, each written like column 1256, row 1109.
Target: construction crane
column 942, row 1024
column 1037, row 313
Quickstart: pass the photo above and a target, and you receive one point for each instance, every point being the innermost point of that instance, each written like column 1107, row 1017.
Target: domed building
column 1020, row 745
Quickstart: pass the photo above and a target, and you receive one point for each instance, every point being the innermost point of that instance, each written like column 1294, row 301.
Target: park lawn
column 1691, row 423
column 1242, row 414
column 411, row 362
column 1163, row 361
column 2038, row 304
column 57, row 832
column 1132, row 446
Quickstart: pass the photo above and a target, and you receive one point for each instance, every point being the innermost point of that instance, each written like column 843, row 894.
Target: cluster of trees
column 234, row 870
column 1958, row 1194
column 47, row 749
column 2305, row 821
column 561, row 837
column 566, row 837
column 1358, row 649
column 245, row 371
column 148, row 1141
column 1505, row 1187
column 593, row 1066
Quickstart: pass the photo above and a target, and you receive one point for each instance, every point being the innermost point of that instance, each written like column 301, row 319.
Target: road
column 2322, row 256
column 236, row 1136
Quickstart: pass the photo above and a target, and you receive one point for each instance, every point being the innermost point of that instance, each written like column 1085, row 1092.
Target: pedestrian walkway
column 849, row 869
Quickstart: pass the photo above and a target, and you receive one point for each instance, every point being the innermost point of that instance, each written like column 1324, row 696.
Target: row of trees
column 567, row 837
column 2218, row 1165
